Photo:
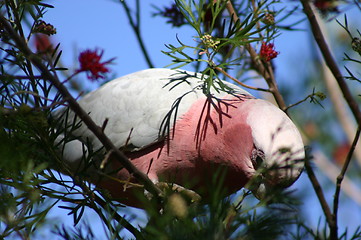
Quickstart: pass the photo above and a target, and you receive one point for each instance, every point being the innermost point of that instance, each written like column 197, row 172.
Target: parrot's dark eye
column 257, row 158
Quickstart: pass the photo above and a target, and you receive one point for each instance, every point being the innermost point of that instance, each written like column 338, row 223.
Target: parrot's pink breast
column 211, row 138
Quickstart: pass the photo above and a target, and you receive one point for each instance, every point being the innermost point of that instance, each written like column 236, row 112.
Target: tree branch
column 331, row 171
column 238, row 82
column 136, row 29
column 342, row 175
column 332, row 65
column 330, row 61
column 265, row 69
column 321, row 197
column 342, row 112
column 137, row 234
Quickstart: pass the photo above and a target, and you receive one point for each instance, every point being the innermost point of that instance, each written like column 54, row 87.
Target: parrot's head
column 278, row 154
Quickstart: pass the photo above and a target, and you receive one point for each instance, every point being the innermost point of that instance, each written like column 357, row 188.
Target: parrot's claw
column 166, row 187
column 189, row 194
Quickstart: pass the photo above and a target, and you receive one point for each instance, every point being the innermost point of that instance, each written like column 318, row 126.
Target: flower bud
column 356, row 45
column 209, row 41
column 45, row 28
column 268, row 19
column 177, row 206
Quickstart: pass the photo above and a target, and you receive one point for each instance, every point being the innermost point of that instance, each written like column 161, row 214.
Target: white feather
column 140, row 102
column 277, row 136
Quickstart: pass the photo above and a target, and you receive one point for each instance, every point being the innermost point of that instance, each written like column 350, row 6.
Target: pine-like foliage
column 234, row 40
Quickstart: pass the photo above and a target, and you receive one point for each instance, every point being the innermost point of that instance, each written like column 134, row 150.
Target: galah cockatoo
column 174, row 133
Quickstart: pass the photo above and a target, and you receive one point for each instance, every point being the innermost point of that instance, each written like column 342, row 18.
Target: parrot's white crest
column 281, row 143
column 141, row 109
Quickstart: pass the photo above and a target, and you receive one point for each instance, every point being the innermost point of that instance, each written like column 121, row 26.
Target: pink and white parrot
column 174, row 133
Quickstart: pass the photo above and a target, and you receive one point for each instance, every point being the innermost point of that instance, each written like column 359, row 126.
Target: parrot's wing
column 142, row 106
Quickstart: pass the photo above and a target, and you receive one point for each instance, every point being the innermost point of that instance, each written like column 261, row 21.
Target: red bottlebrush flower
column 43, row 43
column 90, row 63
column 267, row 51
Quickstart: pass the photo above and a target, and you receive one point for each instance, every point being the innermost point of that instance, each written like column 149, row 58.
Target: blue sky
column 103, row 24
column 90, row 24
column 86, row 24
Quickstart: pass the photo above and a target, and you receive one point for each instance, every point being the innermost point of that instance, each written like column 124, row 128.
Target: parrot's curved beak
column 265, row 184
column 261, row 191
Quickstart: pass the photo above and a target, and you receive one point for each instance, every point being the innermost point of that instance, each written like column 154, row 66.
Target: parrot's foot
column 190, row 195
column 187, row 193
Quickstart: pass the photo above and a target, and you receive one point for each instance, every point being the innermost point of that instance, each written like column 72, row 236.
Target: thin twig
column 320, row 195
column 35, row 94
column 17, row 21
column 342, row 175
column 341, row 111
column 331, row 171
column 297, row 103
column 330, row 61
column 238, row 82
column 92, row 195
column 265, row 69
column 5, row 76
column 75, row 107
column 137, row 234
column 136, row 28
